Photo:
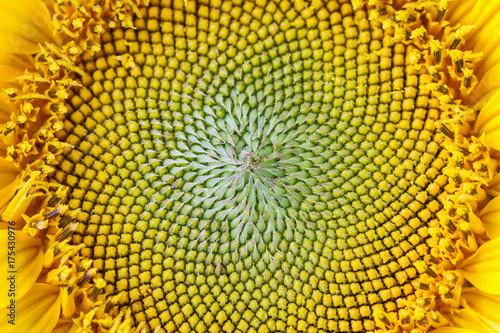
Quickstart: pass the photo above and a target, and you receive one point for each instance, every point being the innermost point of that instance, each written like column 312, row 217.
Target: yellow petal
column 488, row 121
column 493, row 188
column 468, row 320
column 486, row 307
column 469, row 12
column 485, row 40
column 9, row 179
column 488, row 85
column 453, row 330
column 483, row 268
column 13, row 65
column 490, row 217
column 26, row 257
column 38, row 311
column 24, row 26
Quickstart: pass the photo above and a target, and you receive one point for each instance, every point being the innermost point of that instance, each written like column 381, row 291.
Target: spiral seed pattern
column 253, row 166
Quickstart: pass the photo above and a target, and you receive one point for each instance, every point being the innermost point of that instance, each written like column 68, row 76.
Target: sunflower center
column 253, row 165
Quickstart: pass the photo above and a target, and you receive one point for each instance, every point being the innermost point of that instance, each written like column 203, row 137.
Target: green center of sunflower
column 253, row 166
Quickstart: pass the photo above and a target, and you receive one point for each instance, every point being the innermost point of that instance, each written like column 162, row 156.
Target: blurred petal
column 490, row 217
column 482, row 269
column 453, row 330
column 27, row 259
column 493, row 188
column 488, row 121
column 486, row 307
column 467, row 319
column 24, row 26
column 488, row 85
column 13, row 65
column 38, row 311
column 9, row 180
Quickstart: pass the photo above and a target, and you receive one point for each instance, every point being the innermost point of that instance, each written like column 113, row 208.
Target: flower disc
column 261, row 166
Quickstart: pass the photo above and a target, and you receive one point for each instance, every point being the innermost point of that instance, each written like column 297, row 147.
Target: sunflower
column 249, row 166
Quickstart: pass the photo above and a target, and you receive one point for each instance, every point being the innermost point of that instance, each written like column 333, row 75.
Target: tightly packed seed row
column 253, row 166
